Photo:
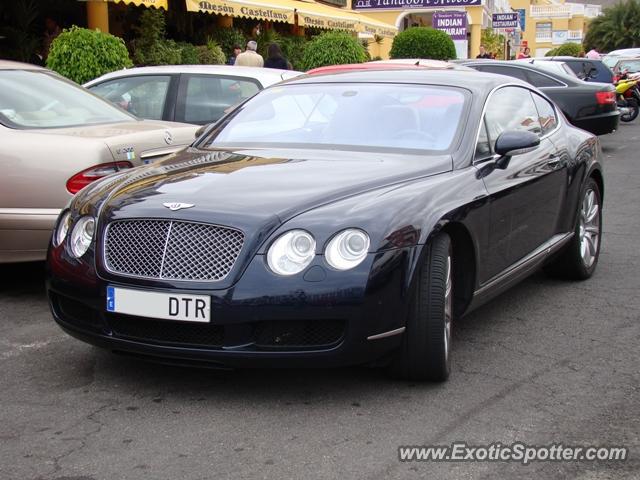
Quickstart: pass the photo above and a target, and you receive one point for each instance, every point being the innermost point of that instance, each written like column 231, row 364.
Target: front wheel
column 578, row 261
column 426, row 346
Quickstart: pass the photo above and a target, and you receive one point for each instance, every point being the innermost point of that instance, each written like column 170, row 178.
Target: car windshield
column 37, row 99
column 351, row 116
column 631, row 66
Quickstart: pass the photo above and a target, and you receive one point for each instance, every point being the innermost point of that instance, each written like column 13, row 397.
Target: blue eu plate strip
column 111, row 299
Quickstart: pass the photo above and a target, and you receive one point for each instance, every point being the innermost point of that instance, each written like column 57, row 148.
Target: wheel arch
column 464, row 262
column 596, row 174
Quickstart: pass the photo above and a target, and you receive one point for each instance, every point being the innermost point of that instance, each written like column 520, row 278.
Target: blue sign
column 111, row 299
column 404, row 4
column 522, row 16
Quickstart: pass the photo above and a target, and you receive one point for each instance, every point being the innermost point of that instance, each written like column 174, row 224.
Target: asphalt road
column 548, row 362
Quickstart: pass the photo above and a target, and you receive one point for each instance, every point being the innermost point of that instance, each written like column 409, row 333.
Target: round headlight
column 82, row 235
column 63, row 228
column 292, row 252
column 347, row 249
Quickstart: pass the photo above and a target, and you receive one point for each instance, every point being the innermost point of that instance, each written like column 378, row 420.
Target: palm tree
column 617, row 27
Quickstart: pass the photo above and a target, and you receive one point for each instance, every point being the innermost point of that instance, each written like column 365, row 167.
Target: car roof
column 396, row 64
column 268, row 75
column 565, row 58
column 562, row 77
column 10, row 65
column 625, row 51
column 468, row 78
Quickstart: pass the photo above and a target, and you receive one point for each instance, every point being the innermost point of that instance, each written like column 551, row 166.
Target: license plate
column 167, row 306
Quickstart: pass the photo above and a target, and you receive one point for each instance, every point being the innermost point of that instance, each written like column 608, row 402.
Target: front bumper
column 262, row 320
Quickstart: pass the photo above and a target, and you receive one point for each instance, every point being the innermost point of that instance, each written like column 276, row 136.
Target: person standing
column 250, row 57
column 593, row 54
column 236, row 51
column 526, row 53
column 275, row 58
column 483, row 53
column 51, row 32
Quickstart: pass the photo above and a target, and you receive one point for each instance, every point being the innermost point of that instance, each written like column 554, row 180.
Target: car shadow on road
column 22, row 278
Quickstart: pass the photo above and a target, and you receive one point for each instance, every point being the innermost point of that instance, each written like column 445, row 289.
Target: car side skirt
column 518, row 271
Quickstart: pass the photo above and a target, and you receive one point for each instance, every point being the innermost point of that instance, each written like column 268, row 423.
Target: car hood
column 250, row 189
column 137, row 141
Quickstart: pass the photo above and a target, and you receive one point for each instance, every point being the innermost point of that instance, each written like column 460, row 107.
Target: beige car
column 55, row 138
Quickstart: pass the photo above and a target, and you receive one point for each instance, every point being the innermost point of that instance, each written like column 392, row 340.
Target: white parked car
column 197, row 94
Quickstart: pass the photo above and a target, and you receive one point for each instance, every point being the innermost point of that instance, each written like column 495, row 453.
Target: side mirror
column 516, row 142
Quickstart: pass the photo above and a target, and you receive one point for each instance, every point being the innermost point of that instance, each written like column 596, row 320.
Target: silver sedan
column 55, row 138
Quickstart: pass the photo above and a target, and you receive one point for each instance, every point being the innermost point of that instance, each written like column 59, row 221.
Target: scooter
column 628, row 98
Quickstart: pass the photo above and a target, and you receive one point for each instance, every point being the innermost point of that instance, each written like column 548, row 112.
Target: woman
column 275, row 58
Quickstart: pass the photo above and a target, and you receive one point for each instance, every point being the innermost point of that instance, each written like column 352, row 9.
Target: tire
column 634, row 109
column 425, row 350
column 579, row 259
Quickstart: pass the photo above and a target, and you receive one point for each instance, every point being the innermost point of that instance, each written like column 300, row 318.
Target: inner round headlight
column 347, row 249
column 63, row 228
column 82, row 235
column 292, row 252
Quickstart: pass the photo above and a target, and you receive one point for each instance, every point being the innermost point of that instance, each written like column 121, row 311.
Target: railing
column 576, row 9
column 544, row 36
column 574, row 35
column 592, row 11
column 546, row 11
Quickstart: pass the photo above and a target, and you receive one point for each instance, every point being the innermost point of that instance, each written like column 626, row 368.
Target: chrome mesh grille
column 173, row 250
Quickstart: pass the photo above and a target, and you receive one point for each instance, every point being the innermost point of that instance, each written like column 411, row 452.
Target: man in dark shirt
column 483, row 53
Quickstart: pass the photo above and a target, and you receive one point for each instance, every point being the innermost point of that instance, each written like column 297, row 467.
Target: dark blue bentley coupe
column 335, row 219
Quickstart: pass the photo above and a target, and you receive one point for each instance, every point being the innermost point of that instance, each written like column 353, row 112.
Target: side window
column 208, row 96
column 511, row 108
column 483, row 149
column 546, row 113
column 515, row 72
column 539, row 80
column 144, row 95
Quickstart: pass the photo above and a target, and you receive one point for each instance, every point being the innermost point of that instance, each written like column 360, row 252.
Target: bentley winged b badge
column 173, row 206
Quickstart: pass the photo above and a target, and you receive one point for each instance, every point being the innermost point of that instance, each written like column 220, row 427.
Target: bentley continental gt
column 338, row 219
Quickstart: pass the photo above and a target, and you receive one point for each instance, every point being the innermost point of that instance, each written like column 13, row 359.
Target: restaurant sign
column 505, row 20
column 453, row 24
column 404, row 4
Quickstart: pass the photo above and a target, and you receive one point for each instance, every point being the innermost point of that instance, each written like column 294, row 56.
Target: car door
column 147, row 96
column 526, row 190
column 203, row 99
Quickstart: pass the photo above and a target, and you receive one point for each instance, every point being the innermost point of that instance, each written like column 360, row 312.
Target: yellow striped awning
column 141, row 3
column 271, row 10
column 309, row 12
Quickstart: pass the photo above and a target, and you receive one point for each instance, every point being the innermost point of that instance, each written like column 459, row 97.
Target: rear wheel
column 580, row 258
column 426, row 346
column 634, row 109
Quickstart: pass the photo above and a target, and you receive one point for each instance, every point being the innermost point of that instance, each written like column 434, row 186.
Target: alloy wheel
column 589, row 228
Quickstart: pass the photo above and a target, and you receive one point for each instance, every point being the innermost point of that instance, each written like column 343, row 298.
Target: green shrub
column 293, row 50
column 82, row 55
column 150, row 47
column 266, row 38
column 568, row 50
column 227, row 38
column 211, row 54
column 551, row 53
column 189, row 54
column 423, row 42
column 332, row 48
